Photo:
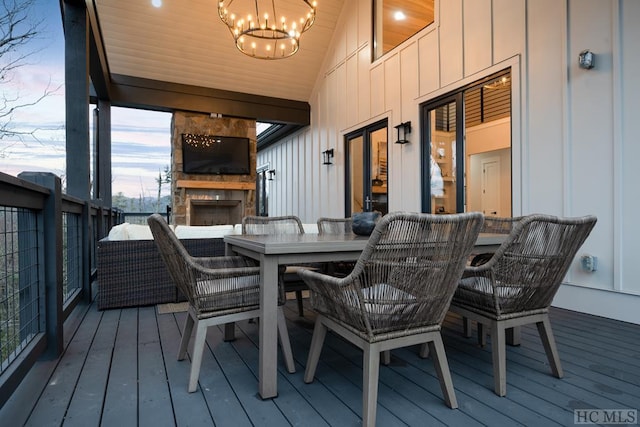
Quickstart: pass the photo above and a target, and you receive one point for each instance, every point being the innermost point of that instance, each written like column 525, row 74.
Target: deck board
column 155, row 406
column 54, row 400
column 189, row 408
column 121, row 396
column 84, row 408
column 119, row 369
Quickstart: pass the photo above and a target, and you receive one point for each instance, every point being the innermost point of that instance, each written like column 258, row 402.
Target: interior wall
column 573, row 130
column 492, row 139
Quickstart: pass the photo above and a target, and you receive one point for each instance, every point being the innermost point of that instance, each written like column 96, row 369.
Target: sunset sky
column 140, row 139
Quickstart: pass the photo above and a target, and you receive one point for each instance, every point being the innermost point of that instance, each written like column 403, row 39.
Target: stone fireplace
column 200, row 199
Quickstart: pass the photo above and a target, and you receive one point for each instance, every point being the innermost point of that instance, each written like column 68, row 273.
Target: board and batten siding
column 574, row 131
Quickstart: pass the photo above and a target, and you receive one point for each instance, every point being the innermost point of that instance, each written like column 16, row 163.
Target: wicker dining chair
column 397, row 295
column 220, row 290
column 493, row 225
column 517, row 285
column 334, row 225
column 339, row 226
column 289, row 224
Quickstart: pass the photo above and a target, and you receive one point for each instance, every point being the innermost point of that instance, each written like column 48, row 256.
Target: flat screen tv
column 215, row 155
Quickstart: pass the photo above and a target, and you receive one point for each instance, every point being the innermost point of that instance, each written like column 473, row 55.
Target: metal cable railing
column 19, row 278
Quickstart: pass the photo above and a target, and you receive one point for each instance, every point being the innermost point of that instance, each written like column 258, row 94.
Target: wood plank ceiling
column 419, row 13
column 186, row 43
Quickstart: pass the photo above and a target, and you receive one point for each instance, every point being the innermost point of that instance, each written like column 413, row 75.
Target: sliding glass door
column 466, row 149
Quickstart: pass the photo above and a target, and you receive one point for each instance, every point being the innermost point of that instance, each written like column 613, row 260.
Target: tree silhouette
column 166, row 179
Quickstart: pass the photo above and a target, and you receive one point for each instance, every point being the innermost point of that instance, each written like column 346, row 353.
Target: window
column 398, row 20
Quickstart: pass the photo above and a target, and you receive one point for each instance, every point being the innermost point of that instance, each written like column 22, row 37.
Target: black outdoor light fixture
column 327, row 155
column 271, row 173
column 406, row 129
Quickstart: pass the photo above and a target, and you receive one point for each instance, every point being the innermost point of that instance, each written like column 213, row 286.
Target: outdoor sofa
column 131, row 272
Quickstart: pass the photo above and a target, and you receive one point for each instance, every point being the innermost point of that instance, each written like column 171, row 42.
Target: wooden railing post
column 51, row 305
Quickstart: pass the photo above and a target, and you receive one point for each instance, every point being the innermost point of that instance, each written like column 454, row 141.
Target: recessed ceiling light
column 156, row 3
column 399, row 16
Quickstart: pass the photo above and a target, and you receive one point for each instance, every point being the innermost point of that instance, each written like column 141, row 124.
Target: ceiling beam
column 135, row 92
column 127, row 91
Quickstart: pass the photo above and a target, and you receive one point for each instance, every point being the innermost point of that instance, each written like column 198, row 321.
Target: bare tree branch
column 18, row 29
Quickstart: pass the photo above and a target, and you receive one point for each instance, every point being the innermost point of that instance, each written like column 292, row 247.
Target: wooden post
column 50, row 226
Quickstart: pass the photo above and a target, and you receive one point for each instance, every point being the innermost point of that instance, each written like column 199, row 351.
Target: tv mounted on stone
column 215, row 155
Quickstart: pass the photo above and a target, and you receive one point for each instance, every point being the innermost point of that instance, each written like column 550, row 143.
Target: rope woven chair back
column 494, row 225
column 275, row 225
column 499, row 225
column 173, row 254
column 272, row 225
column 406, row 276
column 529, row 266
column 334, row 225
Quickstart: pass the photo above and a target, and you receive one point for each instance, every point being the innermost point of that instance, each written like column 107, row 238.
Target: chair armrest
column 222, row 267
column 320, row 280
column 224, row 262
column 480, row 270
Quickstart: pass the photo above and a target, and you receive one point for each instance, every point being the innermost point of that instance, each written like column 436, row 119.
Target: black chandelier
column 267, row 34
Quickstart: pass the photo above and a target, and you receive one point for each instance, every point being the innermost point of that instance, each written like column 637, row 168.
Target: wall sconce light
column 403, row 129
column 586, row 59
column 327, row 155
column 271, row 173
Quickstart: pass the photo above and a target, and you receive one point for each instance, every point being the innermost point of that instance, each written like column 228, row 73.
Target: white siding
column 626, row 150
column 574, row 131
column 477, row 35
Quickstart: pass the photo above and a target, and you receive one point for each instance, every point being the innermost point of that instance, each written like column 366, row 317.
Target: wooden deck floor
column 119, row 369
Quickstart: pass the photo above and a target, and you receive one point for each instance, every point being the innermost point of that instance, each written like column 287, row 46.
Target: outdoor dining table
column 274, row 250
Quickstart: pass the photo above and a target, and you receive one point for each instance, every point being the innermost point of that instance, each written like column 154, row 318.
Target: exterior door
column 367, row 175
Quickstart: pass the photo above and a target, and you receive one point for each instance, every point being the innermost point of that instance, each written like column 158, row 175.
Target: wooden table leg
column 268, row 327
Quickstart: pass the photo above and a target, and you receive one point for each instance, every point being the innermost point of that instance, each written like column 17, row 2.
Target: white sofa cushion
column 119, row 232
column 139, row 232
column 203, row 231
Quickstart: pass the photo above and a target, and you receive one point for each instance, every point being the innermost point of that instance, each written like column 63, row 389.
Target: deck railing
column 47, row 265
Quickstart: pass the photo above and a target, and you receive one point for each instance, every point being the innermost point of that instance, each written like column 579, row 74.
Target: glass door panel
column 356, row 174
column 378, row 150
column 442, row 162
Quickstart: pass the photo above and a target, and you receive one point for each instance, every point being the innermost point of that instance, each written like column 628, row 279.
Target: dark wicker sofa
column 131, row 272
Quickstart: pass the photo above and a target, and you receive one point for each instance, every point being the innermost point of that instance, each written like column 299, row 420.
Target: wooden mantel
column 215, row 185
